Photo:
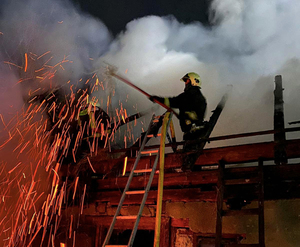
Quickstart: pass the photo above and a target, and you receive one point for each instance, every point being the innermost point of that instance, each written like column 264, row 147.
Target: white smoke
column 37, row 27
column 32, row 28
column 249, row 44
column 57, row 27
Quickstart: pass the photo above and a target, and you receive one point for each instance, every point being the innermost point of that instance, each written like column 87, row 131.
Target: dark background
column 117, row 13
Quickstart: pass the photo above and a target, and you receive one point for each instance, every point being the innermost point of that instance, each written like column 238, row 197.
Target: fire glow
column 31, row 205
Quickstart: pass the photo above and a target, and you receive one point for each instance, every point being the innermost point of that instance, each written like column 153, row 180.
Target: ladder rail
column 165, row 126
column 110, row 230
column 134, row 231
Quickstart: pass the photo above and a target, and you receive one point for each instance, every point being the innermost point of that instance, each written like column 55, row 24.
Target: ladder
column 159, row 153
column 223, row 182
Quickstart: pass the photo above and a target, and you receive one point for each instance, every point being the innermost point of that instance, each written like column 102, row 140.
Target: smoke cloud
column 249, row 43
column 44, row 44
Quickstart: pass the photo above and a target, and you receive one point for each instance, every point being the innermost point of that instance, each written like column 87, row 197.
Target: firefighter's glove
column 154, row 98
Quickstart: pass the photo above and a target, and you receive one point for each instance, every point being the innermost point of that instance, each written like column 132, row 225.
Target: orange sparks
column 61, row 198
column 54, row 195
column 14, row 168
column 5, row 124
column 125, row 165
column 12, row 64
column 43, row 55
column 70, row 229
column 30, row 224
column 56, row 177
column 91, row 164
column 74, row 238
column 26, row 62
column 75, row 187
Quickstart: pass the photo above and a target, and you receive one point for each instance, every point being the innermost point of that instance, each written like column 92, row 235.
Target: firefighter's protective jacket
column 96, row 121
column 191, row 104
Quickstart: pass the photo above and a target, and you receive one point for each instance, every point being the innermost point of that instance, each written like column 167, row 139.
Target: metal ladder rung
column 135, row 192
column 151, row 135
column 126, row 191
column 127, row 217
column 150, row 152
column 144, row 171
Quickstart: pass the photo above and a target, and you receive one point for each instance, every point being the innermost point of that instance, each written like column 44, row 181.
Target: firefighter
column 94, row 122
column 192, row 106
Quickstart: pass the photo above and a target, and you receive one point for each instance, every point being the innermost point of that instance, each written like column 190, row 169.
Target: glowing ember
column 48, row 134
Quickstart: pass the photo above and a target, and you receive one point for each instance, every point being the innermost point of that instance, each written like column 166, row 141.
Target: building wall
column 282, row 221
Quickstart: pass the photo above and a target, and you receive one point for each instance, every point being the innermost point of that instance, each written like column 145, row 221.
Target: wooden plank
column 171, row 179
column 165, row 232
column 274, row 174
column 146, row 223
column 281, row 182
column 231, row 154
column 97, row 237
column 180, row 223
column 220, row 197
column 174, row 195
column 279, row 136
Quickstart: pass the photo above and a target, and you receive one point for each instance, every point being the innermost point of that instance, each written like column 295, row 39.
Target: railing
column 217, row 138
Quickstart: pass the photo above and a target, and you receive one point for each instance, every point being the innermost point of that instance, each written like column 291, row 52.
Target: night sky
column 117, row 13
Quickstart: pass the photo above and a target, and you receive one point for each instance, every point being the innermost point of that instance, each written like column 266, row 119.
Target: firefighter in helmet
column 191, row 104
column 94, row 122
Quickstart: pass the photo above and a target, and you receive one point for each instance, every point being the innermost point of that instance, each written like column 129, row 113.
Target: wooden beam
column 281, row 182
column 174, row 195
column 279, row 137
column 146, row 223
column 171, row 179
column 220, row 198
column 273, row 174
column 230, row 155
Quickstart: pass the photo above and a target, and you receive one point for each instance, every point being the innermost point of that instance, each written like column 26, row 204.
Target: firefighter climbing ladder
column 159, row 157
column 222, row 183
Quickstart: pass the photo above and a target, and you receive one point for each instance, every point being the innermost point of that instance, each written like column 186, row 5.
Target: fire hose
column 112, row 73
